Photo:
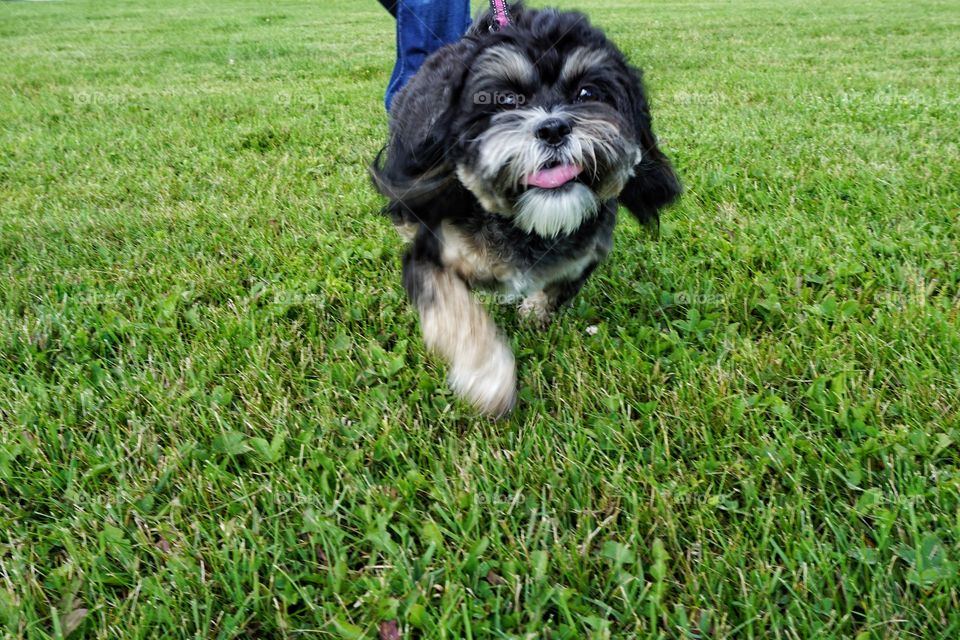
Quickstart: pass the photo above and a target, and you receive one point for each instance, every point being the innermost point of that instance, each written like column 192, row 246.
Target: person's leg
column 423, row 26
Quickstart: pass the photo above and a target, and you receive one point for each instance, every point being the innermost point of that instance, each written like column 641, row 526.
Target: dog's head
column 542, row 121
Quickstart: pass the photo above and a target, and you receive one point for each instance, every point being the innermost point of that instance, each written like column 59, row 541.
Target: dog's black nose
column 553, row 131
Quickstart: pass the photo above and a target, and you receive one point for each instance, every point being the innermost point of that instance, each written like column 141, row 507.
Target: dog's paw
column 490, row 384
column 536, row 309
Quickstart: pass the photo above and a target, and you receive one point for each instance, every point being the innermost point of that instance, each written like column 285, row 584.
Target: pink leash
column 501, row 14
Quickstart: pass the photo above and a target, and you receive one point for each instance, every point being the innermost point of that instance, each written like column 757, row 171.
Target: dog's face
column 542, row 122
column 545, row 138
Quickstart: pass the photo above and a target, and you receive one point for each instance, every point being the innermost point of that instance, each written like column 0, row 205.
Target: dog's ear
column 415, row 167
column 654, row 184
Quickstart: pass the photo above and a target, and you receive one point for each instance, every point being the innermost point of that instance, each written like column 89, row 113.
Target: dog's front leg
column 538, row 308
column 456, row 326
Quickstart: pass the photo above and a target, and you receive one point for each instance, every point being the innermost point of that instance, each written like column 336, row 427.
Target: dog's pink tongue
column 555, row 177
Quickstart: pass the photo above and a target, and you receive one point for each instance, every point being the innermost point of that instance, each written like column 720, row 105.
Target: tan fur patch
column 504, row 63
column 482, row 368
column 407, row 230
column 581, row 60
column 536, row 309
column 470, row 260
column 473, row 181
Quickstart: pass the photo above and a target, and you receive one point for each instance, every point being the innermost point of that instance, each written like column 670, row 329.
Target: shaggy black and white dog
column 508, row 154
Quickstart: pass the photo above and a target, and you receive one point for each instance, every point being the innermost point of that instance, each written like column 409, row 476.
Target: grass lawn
column 217, row 418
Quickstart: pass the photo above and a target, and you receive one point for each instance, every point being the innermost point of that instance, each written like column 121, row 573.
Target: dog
column 508, row 154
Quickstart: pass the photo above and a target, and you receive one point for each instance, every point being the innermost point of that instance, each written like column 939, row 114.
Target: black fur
column 423, row 254
column 436, row 176
column 432, row 118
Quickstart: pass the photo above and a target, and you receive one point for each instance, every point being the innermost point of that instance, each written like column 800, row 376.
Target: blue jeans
column 423, row 26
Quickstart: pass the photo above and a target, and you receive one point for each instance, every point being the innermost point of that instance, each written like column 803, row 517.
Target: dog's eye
column 588, row 93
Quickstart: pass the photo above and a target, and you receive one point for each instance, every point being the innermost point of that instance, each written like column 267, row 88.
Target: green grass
column 217, row 418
